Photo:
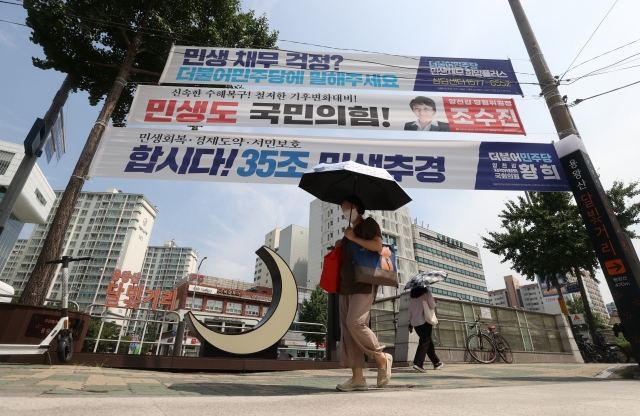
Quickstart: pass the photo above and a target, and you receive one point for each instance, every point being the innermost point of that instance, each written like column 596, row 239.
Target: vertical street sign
column 615, row 252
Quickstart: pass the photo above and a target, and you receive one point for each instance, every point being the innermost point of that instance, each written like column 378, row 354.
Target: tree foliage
column 315, row 310
column 88, row 39
column 546, row 237
column 627, row 212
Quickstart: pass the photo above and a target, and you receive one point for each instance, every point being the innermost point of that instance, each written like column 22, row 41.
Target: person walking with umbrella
column 375, row 189
column 356, row 299
column 420, row 299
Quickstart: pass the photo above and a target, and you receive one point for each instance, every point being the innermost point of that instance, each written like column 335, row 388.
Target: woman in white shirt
column 423, row 329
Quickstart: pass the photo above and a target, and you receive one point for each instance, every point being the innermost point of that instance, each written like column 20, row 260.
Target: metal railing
column 170, row 318
column 456, row 331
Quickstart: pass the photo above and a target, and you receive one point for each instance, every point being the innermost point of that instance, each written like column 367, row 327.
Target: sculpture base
column 208, row 350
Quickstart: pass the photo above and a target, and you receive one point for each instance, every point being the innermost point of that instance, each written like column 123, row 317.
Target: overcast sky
column 227, row 222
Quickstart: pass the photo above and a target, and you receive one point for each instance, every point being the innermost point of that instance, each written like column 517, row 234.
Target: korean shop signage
column 616, row 255
column 336, row 70
column 251, row 158
column 364, row 111
column 125, row 291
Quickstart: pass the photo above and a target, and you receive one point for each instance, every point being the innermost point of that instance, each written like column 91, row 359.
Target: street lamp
column 193, row 299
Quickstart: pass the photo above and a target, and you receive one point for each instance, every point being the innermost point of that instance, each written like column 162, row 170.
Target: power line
column 608, row 52
column 13, row 23
column 578, row 101
column 604, row 67
column 585, row 45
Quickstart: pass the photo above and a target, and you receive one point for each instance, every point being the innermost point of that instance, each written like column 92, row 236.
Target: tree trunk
column 40, row 280
column 563, row 307
column 585, row 301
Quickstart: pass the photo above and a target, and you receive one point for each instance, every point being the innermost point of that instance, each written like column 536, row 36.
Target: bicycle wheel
column 481, row 348
column 504, row 349
column 597, row 356
column 617, row 353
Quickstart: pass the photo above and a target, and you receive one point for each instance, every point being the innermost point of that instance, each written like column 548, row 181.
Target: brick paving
column 40, row 380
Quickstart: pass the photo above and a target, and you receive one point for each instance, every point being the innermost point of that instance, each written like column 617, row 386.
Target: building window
column 196, row 305
column 214, row 305
column 233, row 307
column 5, row 161
column 253, row 310
column 41, row 198
column 265, row 309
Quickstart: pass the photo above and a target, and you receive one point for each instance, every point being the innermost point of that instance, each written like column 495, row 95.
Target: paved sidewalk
column 35, row 380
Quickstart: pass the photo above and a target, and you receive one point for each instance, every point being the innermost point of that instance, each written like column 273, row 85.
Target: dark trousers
column 425, row 346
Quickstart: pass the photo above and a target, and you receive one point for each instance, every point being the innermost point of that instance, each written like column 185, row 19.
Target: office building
column 518, row 296
column 512, row 285
column 531, row 297
column 327, row 224
column 594, row 295
column 166, row 265
column 33, row 204
column 291, row 243
column 610, row 308
column 112, row 227
column 462, row 262
column 498, row 297
column 261, row 273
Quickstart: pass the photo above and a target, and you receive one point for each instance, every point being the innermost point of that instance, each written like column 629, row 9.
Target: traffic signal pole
column 616, row 255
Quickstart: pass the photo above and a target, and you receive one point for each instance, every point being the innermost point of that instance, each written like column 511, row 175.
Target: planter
column 23, row 324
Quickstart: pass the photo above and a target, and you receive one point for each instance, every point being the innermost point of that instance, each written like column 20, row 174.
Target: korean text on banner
column 207, row 156
column 245, row 108
column 225, row 66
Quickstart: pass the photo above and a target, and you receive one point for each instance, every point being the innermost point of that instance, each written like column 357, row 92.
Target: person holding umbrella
column 422, row 298
column 357, row 187
column 356, row 299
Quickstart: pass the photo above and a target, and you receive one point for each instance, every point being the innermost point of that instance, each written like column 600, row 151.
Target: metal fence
column 129, row 327
column 524, row 330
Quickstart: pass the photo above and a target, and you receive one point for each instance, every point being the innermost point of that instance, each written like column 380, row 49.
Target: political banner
column 48, row 148
column 360, row 71
column 269, row 159
column 389, row 112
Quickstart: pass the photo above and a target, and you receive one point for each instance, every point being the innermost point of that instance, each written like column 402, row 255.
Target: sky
column 227, row 222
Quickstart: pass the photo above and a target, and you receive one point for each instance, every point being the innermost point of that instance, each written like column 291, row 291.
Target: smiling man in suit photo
column 425, row 108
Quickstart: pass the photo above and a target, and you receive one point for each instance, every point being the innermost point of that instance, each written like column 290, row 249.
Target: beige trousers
column 357, row 338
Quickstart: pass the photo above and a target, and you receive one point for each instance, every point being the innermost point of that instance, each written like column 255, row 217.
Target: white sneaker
column 384, row 375
column 418, row 368
column 438, row 366
column 351, row 386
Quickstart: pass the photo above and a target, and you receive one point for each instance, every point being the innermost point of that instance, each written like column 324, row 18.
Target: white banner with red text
column 363, row 111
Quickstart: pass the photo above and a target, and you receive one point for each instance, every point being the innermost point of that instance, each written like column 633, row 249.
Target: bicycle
column 613, row 353
column 485, row 346
column 589, row 352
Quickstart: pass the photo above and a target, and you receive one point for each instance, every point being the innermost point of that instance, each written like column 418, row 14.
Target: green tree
column 315, row 310
column 576, row 305
column 627, row 212
column 547, row 236
column 108, row 47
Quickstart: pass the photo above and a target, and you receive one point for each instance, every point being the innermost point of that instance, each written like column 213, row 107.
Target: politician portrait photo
column 425, row 109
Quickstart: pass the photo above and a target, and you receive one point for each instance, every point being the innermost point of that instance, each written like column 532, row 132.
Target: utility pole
column 31, row 155
column 617, row 257
column 548, row 84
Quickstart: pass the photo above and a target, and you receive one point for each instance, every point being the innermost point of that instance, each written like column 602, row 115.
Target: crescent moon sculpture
column 272, row 327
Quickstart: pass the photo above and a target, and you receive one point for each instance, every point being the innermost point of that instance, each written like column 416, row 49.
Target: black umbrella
column 374, row 186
